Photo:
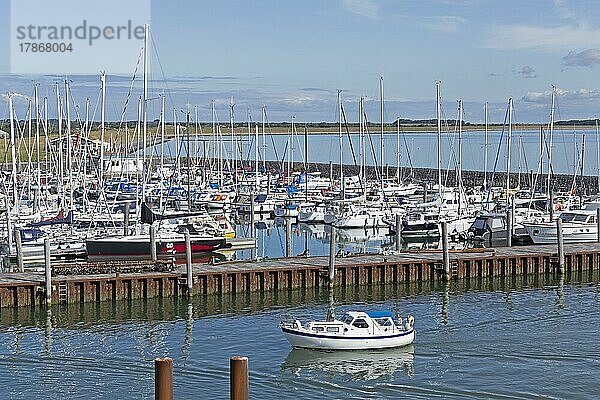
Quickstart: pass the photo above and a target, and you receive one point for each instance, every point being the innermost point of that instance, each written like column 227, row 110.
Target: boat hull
column 308, row 340
column 119, row 248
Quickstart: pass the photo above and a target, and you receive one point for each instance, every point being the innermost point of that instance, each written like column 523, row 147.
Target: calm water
column 475, row 339
column 420, row 150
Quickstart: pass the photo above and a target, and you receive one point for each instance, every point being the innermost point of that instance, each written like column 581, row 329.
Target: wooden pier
column 28, row 288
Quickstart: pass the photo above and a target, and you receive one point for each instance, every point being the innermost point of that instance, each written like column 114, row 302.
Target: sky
column 293, row 56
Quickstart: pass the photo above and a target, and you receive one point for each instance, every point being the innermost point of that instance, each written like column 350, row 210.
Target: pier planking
column 28, row 288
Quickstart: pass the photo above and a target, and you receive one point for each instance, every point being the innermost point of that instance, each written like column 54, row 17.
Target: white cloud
column 365, row 8
column 579, row 94
column 543, row 38
column 585, row 58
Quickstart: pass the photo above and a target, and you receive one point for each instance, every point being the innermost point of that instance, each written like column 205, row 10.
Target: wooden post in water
column 238, row 378
column 445, row 250
column 188, row 263
column 331, row 271
column 163, row 379
column 561, row 251
column 425, row 192
column 598, row 224
column 288, row 237
column 398, row 230
column 330, row 172
column 19, row 246
column 153, row 242
column 126, row 220
column 509, row 224
column 48, row 272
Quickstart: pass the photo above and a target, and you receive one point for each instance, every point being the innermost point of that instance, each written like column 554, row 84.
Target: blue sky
column 292, row 56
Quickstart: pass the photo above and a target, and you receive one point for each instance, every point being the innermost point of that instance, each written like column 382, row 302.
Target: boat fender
column 410, row 321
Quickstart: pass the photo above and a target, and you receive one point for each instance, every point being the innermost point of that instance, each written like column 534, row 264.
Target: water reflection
column 355, row 365
column 187, row 337
column 560, row 293
column 48, row 333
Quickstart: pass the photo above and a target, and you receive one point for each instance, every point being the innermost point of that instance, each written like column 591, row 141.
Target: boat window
column 479, row 223
column 579, row 218
column 333, row 329
column 360, row 323
column 384, row 321
column 567, row 217
column 592, row 219
column 497, row 223
column 318, row 329
column 347, row 319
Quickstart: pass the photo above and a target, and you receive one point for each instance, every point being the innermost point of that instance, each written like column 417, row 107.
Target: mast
column 382, row 116
column 233, row 152
column 145, row 109
column 459, row 163
column 102, row 130
column 162, row 130
column 342, row 186
column 37, row 149
column 398, row 150
column 264, row 143
column 13, row 154
column 60, row 146
column 485, row 147
column 439, row 137
column 548, row 185
column 598, row 154
column 257, row 184
column 69, row 145
column 508, row 146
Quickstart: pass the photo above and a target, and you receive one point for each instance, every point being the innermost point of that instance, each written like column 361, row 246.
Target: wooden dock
column 28, row 288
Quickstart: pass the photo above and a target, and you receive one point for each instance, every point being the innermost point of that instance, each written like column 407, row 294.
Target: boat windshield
column 347, row 319
column 567, row 217
column 479, row 223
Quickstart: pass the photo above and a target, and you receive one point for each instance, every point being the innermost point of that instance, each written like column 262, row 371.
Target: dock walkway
column 27, row 289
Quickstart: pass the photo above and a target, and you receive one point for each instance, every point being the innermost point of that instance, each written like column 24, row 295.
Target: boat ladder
column 63, row 293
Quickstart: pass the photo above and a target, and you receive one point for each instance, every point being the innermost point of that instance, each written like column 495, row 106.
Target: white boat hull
column 308, row 340
column 546, row 233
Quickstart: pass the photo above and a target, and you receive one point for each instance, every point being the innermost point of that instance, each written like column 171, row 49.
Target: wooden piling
column 331, row 270
column 163, row 379
column 19, row 245
column 561, row 252
column 445, row 250
column 188, row 262
column 398, row 230
column 48, row 272
column 238, row 378
column 153, row 242
column 126, row 220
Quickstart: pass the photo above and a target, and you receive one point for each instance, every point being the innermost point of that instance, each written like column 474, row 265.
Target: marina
column 270, row 200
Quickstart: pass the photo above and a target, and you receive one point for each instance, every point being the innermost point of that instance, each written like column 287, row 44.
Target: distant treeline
column 206, row 126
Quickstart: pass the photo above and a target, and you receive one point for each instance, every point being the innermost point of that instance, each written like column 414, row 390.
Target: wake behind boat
column 354, row 331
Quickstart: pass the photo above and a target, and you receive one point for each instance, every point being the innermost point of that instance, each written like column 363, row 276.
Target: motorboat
column 577, row 226
column 356, row 330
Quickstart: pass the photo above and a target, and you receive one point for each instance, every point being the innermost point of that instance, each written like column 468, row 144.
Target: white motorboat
column 354, row 331
column 578, row 226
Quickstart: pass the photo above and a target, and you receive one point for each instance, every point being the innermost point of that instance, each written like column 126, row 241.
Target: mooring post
column 126, row 220
column 288, row 237
column 445, row 250
column 48, row 272
column 331, row 271
column 252, row 230
column 598, row 224
column 509, row 224
column 425, row 192
column 188, row 262
column 163, row 379
column 398, row 230
column 561, row 251
column 330, row 172
column 238, row 378
column 19, row 245
column 153, row 242
column 551, row 205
